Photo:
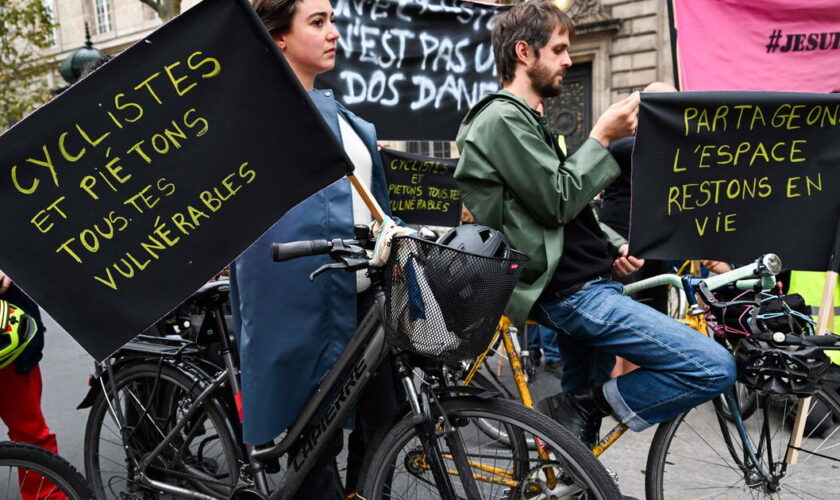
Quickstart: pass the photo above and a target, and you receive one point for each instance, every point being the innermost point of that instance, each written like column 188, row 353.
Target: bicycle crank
column 545, row 482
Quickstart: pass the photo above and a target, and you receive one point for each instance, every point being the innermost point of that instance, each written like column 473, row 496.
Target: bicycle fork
column 427, row 431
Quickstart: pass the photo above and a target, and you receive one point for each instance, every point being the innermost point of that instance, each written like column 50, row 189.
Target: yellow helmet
column 18, row 329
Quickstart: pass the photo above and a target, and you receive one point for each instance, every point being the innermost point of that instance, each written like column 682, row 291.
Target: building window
column 102, row 16
column 438, row 149
column 50, row 4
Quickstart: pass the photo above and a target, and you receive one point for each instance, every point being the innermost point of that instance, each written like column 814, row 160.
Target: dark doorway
column 570, row 113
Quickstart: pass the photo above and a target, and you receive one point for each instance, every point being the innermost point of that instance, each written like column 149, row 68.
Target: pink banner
column 789, row 45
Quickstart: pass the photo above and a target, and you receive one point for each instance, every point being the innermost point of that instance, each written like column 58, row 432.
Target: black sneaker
column 577, row 412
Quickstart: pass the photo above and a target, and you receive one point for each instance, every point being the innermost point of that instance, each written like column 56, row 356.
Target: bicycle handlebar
column 281, row 252
column 790, row 339
column 653, row 281
column 744, row 276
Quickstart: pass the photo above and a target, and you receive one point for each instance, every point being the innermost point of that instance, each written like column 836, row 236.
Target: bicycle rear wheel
column 27, row 471
column 203, row 457
column 700, row 455
column 502, row 470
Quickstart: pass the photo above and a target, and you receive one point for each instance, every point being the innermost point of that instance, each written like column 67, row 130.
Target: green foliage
column 26, row 29
column 166, row 9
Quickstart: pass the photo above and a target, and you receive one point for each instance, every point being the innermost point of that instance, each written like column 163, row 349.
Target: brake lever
column 326, row 267
column 348, row 263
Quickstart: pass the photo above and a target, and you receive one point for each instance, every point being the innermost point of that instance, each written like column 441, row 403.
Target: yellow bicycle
column 714, row 449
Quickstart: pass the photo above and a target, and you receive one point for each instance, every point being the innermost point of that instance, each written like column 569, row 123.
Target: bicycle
column 436, row 447
column 34, row 472
column 723, row 419
column 751, row 456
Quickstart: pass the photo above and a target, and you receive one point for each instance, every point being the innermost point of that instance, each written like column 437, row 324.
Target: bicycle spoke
column 706, row 462
column 694, row 470
column 199, row 457
column 797, row 491
column 709, row 445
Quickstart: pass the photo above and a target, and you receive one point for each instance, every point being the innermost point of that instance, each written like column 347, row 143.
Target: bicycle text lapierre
column 312, row 439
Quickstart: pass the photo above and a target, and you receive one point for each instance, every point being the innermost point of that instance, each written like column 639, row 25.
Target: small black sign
column 732, row 175
column 124, row 194
column 421, row 188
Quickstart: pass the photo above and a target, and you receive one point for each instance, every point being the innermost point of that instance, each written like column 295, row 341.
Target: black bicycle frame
column 332, row 401
column 322, row 416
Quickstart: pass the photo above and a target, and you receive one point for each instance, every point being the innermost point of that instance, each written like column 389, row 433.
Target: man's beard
column 542, row 81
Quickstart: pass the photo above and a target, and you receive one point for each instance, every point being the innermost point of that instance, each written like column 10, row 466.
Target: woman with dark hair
column 291, row 330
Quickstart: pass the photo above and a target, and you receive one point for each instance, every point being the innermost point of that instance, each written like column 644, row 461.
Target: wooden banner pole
column 367, row 197
column 826, row 313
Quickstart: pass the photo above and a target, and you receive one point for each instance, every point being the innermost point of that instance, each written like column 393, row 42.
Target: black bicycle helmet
column 479, row 240
column 774, row 369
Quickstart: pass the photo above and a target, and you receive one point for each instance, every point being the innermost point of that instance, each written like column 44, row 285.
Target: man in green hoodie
column 514, row 177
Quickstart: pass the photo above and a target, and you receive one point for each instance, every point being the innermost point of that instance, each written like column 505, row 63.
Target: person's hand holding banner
column 5, row 282
column 625, row 264
column 619, row 120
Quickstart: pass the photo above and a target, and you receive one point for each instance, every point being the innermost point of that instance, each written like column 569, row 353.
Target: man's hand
column 5, row 282
column 619, row 120
column 626, row 264
column 716, row 266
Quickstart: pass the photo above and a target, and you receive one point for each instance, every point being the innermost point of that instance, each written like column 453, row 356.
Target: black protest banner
column 412, row 67
column 421, row 188
column 732, row 175
column 124, row 194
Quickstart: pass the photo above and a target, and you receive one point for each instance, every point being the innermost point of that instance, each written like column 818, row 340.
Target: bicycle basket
column 443, row 302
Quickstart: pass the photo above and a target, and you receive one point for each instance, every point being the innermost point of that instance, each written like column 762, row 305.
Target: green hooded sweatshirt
column 512, row 179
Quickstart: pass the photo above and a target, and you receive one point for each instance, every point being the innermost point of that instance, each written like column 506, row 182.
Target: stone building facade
column 621, row 45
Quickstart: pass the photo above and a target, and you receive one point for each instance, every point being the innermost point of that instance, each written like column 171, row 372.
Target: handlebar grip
column 823, row 340
column 286, row 251
column 653, row 281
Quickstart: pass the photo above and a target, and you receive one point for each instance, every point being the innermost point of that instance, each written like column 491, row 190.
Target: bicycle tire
column 583, row 475
column 689, row 457
column 205, row 457
column 47, row 470
column 488, row 384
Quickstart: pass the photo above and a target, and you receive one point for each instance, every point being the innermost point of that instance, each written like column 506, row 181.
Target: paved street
column 66, row 368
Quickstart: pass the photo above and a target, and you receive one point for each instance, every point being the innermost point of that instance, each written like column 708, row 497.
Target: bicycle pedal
column 613, row 475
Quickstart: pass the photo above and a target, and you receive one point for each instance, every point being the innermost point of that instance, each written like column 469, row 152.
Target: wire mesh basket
column 442, row 302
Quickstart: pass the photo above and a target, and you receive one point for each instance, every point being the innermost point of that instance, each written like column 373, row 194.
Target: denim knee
column 724, row 373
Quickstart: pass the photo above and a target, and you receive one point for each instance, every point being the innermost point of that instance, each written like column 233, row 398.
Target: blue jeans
column 545, row 339
column 679, row 367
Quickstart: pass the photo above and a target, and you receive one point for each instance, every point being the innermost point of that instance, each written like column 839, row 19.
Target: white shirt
column 360, row 156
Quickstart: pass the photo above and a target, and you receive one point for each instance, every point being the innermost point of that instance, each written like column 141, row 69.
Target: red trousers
column 20, row 409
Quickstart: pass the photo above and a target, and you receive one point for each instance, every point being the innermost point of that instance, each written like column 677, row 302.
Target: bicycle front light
column 771, row 263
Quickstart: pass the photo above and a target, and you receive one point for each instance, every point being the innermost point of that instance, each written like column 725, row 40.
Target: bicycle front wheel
column 700, row 454
column 27, row 471
column 203, row 456
column 502, row 469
